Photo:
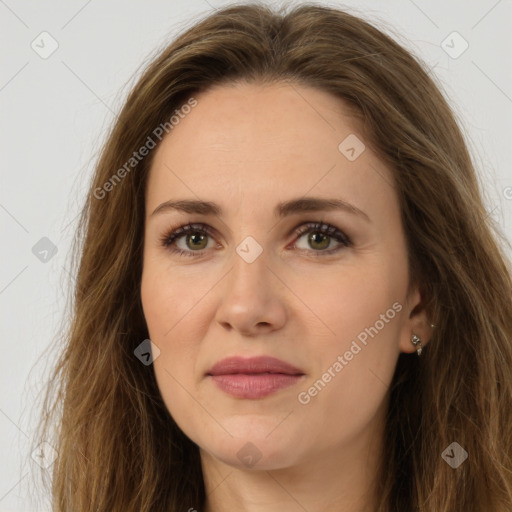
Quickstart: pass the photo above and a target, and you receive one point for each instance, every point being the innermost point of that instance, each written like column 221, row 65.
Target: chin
column 252, row 450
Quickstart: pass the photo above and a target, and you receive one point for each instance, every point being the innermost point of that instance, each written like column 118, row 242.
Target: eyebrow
column 284, row 209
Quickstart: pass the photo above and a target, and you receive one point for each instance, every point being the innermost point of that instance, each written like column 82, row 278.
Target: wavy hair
column 118, row 447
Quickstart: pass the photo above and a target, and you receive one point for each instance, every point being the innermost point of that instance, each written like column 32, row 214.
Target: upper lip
column 252, row 365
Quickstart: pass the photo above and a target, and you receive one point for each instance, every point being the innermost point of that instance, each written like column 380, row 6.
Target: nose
column 251, row 298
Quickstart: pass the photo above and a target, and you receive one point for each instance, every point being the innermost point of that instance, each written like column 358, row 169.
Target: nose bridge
column 249, row 296
column 249, row 267
column 251, row 237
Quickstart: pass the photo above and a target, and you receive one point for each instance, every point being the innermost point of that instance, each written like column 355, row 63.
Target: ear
column 416, row 321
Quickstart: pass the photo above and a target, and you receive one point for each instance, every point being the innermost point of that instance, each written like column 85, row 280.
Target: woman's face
column 333, row 304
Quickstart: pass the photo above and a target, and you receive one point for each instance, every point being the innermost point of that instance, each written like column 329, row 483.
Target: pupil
column 193, row 237
column 313, row 238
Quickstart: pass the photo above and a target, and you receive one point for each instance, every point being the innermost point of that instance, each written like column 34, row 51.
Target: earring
column 416, row 341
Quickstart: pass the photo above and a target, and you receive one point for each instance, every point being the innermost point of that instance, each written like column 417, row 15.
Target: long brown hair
column 118, row 447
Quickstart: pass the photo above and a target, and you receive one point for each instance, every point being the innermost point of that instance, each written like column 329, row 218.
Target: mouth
column 255, row 377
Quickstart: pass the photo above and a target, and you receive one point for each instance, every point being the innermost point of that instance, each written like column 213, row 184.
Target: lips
column 253, row 378
column 253, row 366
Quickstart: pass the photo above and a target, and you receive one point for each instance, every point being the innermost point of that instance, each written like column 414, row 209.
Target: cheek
column 348, row 389
column 155, row 307
column 355, row 361
column 351, row 299
column 167, row 311
column 170, row 317
column 166, row 300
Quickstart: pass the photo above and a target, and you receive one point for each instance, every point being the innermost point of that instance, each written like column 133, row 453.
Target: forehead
column 251, row 118
column 264, row 142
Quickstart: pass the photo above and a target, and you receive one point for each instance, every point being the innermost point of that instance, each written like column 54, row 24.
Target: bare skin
column 248, row 148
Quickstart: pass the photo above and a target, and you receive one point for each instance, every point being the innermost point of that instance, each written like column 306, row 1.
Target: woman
column 290, row 295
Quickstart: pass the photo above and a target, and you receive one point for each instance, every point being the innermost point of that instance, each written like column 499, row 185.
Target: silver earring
column 416, row 341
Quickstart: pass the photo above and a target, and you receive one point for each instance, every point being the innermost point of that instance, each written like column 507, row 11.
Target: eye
column 320, row 236
column 195, row 239
column 194, row 234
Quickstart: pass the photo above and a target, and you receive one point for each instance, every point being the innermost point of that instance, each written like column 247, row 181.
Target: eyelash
column 174, row 234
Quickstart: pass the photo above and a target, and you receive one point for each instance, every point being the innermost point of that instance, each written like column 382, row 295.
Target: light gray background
column 55, row 112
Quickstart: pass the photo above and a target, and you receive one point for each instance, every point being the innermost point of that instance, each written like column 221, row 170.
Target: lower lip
column 244, row 385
